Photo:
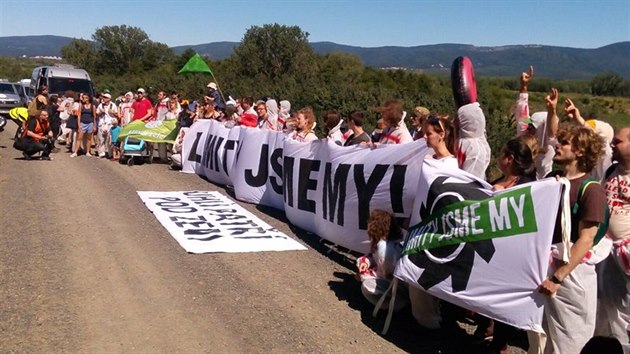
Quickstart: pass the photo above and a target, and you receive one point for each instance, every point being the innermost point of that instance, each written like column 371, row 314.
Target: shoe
column 89, row 155
column 74, row 154
column 26, row 156
column 101, row 154
column 46, row 158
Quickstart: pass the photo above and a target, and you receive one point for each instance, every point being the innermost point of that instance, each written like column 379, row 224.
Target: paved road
column 85, row 267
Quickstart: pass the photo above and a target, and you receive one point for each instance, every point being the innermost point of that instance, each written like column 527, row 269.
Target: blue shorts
column 87, row 127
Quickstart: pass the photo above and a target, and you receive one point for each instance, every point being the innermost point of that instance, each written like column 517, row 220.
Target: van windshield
column 59, row 85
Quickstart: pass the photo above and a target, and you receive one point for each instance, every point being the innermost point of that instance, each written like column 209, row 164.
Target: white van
column 61, row 78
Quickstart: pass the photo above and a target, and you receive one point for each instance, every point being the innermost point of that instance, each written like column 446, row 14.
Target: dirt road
column 85, row 267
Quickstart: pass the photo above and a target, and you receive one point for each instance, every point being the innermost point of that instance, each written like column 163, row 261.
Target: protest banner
column 482, row 250
column 211, row 150
column 257, row 173
column 330, row 190
column 155, row 131
column 206, row 222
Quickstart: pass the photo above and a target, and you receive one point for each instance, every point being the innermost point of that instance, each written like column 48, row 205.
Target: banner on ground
column 482, row 250
column 154, row 131
column 208, row 222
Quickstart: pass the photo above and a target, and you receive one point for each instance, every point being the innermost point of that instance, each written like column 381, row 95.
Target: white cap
column 212, row 85
column 141, row 90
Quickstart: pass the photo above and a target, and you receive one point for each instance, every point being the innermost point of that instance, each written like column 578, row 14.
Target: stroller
column 134, row 149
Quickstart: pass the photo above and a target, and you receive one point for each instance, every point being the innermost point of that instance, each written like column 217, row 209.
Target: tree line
column 277, row 61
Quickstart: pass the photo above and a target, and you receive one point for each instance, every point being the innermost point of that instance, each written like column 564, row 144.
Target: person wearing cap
column 418, row 116
column 141, row 107
column 107, row 112
column 215, row 96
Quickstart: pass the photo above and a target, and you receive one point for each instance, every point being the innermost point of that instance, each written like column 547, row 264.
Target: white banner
column 330, row 190
column 257, row 173
column 210, row 150
column 192, row 149
column 207, row 222
column 325, row 189
column 482, row 250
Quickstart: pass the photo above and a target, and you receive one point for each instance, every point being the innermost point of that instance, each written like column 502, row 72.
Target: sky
column 368, row 23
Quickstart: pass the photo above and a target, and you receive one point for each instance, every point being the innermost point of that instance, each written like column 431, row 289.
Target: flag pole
column 218, row 86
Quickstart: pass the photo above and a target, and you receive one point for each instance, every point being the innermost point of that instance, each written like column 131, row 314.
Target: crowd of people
column 588, row 295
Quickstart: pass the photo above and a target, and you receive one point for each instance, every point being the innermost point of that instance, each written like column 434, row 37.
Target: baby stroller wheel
column 130, row 161
column 150, row 159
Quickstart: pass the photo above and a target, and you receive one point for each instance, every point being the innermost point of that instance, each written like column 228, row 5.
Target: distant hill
column 17, row 46
column 550, row 61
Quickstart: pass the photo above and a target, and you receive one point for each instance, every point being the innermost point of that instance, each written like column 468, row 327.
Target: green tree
column 82, row 53
column 274, row 60
column 609, row 84
column 126, row 49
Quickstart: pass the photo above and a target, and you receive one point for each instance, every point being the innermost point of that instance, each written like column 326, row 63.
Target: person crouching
column 38, row 137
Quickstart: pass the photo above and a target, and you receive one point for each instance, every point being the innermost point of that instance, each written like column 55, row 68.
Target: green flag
column 154, row 131
column 196, row 64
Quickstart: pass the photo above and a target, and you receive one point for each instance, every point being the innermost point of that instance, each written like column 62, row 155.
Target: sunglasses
column 433, row 120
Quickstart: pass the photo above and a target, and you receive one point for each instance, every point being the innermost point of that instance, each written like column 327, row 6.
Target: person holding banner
column 267, row 115
column 248, row 118
column 284, row 114
column 376, row 269
column 572, row 282
column 333, row 126
column 355, row 125
column 516, row 162
column 305, row 123
column 418, row 116
column 439, row 137
column 394, row 133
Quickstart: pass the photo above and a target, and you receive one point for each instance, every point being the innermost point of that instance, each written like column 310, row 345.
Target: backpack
column 603, row 226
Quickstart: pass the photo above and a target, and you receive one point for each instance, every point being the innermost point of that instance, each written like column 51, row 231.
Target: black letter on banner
column 287, row 179
column 335, row 194
column 229, row 145
column 365, row 191
column 396, row 185
column 263, row 169
column 193, row 156
column 305, row 183
column 276, row 165
column 207, row 151
column 215, row 154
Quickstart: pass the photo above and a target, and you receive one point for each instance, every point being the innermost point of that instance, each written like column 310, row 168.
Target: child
column 114, row 131
column 376, row 269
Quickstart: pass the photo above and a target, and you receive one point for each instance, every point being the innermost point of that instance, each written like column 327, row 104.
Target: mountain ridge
column 507, row 60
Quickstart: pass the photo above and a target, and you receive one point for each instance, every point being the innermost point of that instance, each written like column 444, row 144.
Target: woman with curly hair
column 376, row 269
